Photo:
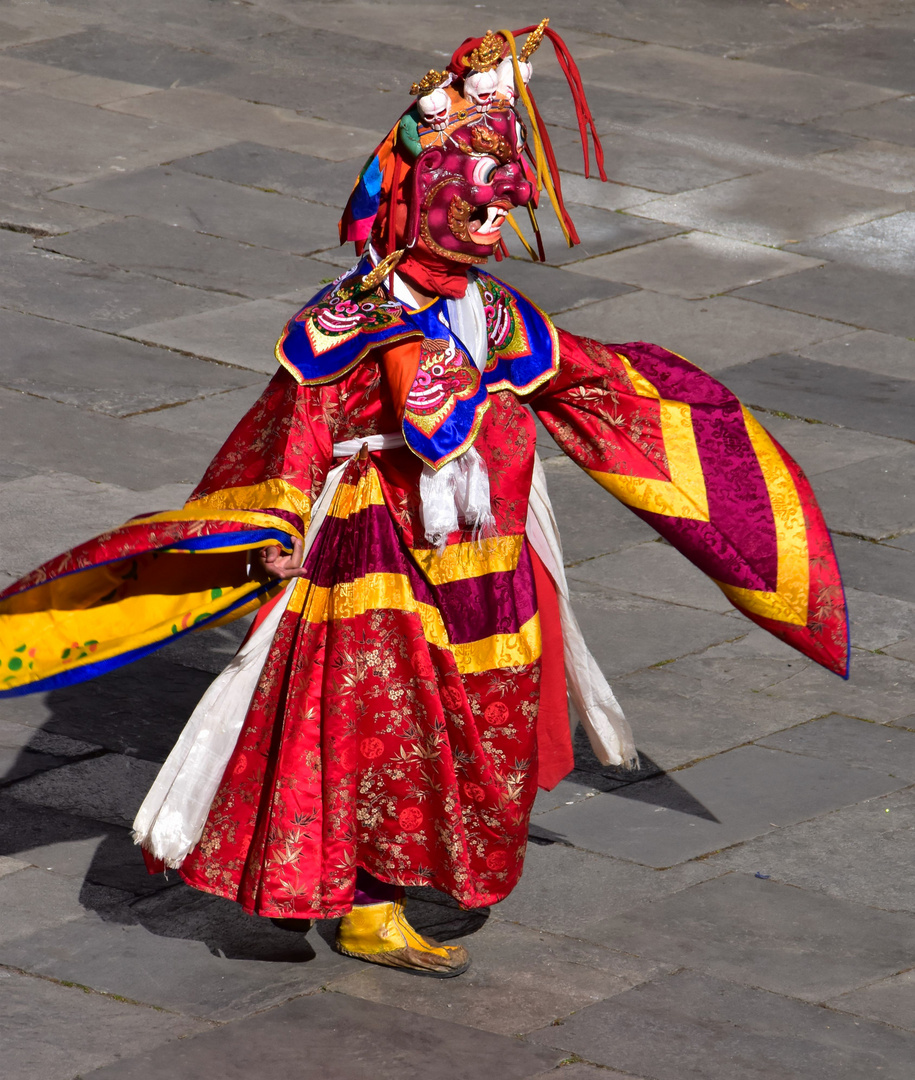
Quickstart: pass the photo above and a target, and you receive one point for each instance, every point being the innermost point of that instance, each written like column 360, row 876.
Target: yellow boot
column 380, row 934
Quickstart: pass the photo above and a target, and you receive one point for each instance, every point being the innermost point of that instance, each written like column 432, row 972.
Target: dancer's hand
column 272, row 562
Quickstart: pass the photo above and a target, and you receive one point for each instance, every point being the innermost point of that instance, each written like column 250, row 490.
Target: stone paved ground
column 171, row 175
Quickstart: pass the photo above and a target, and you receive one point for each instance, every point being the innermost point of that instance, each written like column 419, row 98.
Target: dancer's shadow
column 649, row 783
column 69, row 793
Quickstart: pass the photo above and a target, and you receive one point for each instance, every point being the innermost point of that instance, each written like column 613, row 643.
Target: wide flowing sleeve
column 131, row 590
column 678, row 448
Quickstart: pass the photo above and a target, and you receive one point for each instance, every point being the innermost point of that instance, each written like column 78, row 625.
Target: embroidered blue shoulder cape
column 450, row 395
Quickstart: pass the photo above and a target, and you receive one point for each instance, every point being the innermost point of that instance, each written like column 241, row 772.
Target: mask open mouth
column 484, row 226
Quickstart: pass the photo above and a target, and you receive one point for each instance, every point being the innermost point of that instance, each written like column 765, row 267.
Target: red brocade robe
column 395, row 723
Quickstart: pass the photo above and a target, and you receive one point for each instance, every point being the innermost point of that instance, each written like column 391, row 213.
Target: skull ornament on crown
column 435, row 195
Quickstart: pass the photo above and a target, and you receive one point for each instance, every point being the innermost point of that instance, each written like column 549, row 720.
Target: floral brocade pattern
column 367, row 748
column 365, row 745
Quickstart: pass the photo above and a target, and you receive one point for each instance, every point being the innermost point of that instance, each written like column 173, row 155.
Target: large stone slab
column 654, row 570
column 272, row 168
column 813, row 390
column 81, row 142
column 626, row 632
column 25, row 206
column 593, row 522
column 108, row 789
column 893, row 121
column 694, row 266
column 819, row 448
column 877, row 688
column 98, row 51
column 36, row 901
column 98, row 297
column 885, row 569
column 519, row 979
column 734, row 796
column 878, row 354
column 24, row 751
column 296, row 66
column 875, row 54
column 740, row 928
column 874, row 498
column 51, row 1031
column 564, row 890
column 860, row 853
column 16, row 72
column 774, row 207
column 892, row 1001
column 18, row 763
column 600, row 231
column 210, row 111
column 175, row 197
column 95, row 446
column 212, row 417
column 580, row 1071
column 746, row 140
column 556, row 290
column 349, row 17
column 875, row 164
column 904, row 650
column 23, row 23
column 842, row 738
column 11, row 866
column 218, row 966
column 93, row 89
column 880, row 622
column 228, row 30
column 97, row 371
column 646, row 163
column 343, row 1038
column 713, row 334
column 759, row 90
column 612, row 109
column 57, row 512
column 190, row 258
column 243, row 335
column 137, row 711
column 697, row 1026
column 593, row 192
column 93, row 853
column 869, row 299
column 696, row 706
column 14, row 242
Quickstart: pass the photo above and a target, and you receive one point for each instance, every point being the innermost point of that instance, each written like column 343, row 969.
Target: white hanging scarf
column 456, row 495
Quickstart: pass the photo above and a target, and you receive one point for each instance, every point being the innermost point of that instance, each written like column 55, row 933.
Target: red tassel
column 583, row 112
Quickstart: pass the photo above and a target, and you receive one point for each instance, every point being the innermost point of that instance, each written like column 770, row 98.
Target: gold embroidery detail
column 484, row 140
column 459, row 217
column 373, row 279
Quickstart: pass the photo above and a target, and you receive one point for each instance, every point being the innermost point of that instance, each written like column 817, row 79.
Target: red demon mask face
column 463, row 189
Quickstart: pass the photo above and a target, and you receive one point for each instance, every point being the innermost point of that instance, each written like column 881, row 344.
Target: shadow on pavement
column 68, row 795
